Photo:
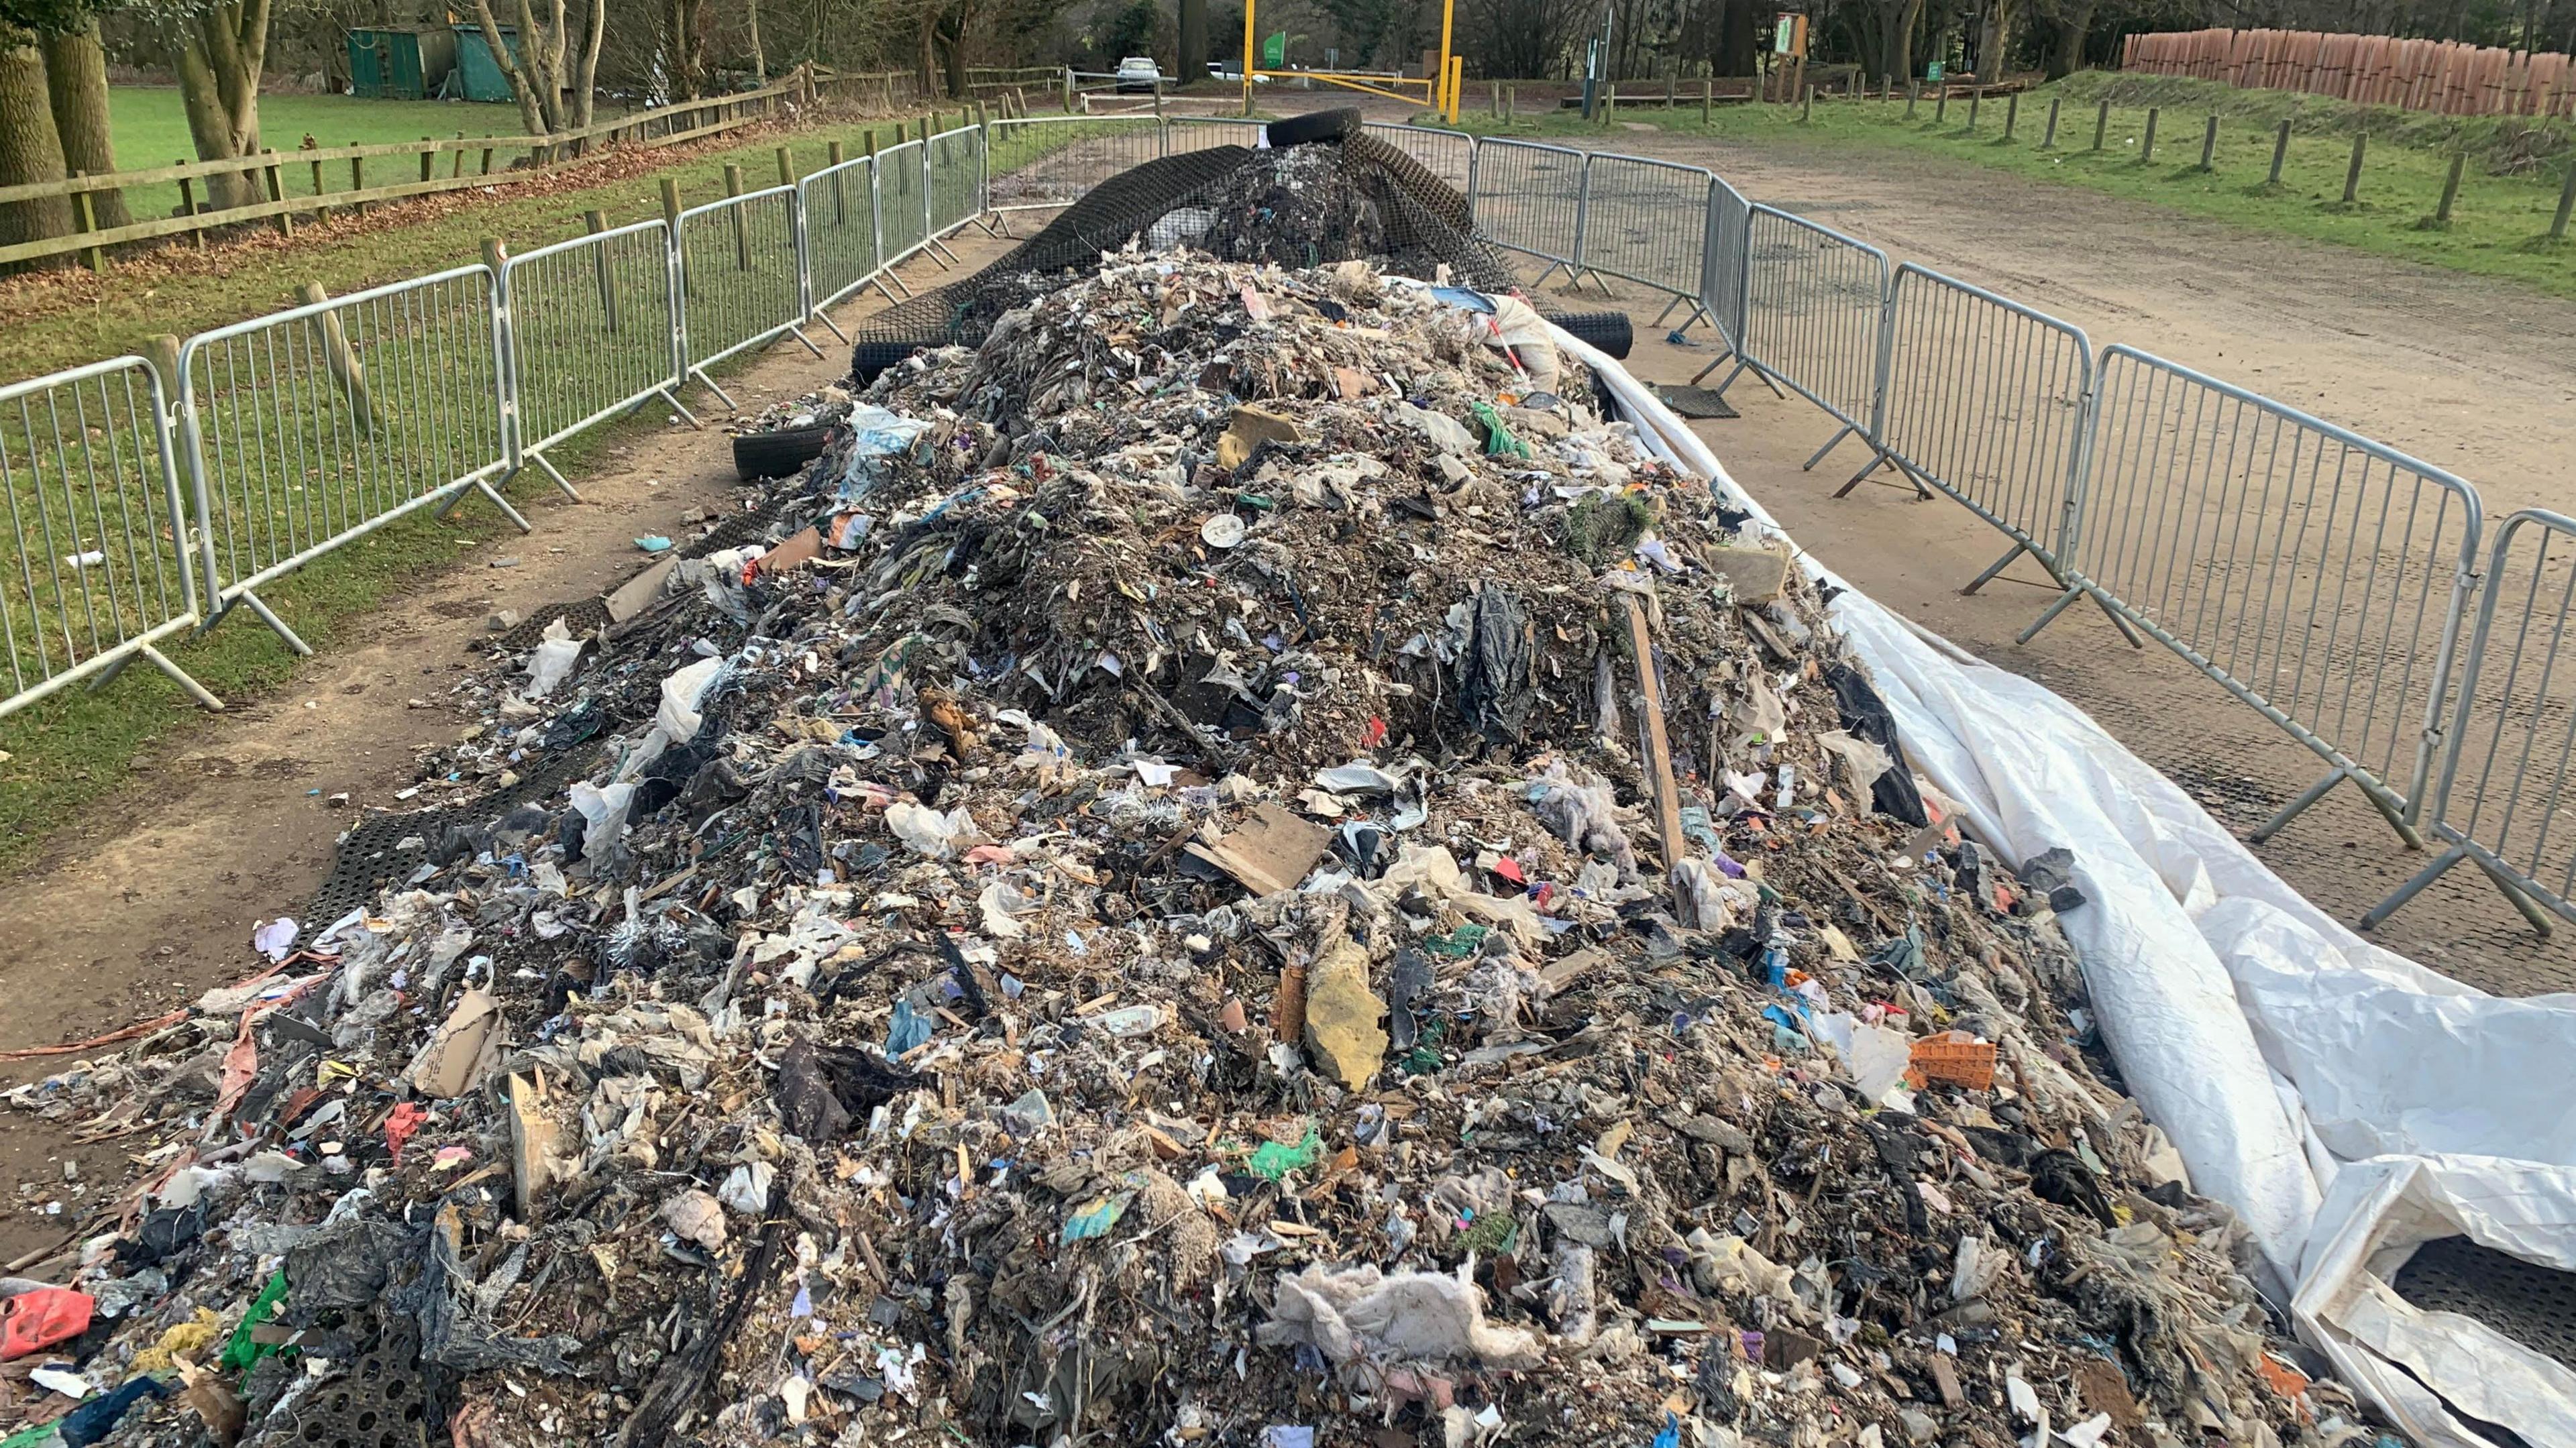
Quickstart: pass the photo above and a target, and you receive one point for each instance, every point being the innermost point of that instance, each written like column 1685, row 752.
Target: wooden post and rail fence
column 264, row 176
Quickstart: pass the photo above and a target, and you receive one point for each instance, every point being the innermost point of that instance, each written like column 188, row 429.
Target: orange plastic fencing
column 2417, row 75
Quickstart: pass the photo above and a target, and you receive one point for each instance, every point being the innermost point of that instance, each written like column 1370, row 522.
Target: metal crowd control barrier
column 1449, row 155
column 1529, row 198
column 742, row 278
column 1983, row 399
column 1042, row 164
column 94, row 569
column 308, row 428
column 1721, row 286
column 2318, row 576
column 956, row 165
column 1203, row 133
column 1812, row 304
column 903, row 202
column 2504, row 781
column 608, row 300
column 839, row 207
column 1647, row 221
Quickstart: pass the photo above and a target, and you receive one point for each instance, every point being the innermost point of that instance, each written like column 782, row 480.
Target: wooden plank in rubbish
column 1659, row 751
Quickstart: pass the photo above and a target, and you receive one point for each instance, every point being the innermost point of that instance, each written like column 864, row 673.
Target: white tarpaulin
column 2349, row 1104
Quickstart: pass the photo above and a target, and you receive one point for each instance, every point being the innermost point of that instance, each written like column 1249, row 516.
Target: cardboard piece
column 463, row 1052
column 1272, row 852
column 637, row 594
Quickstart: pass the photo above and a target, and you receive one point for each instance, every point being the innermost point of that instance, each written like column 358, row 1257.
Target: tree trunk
column 759, row 61
column 76, row 80
column 687, row 56
column 1899, row 19
column 523, row 83
column 952, row 44
column 1735, row 38
column 585, row 75
column 929, row 52
column 1994, row 46
column 218, row 54
column 2067, row 56
column 29, row 150
column 1194, row 41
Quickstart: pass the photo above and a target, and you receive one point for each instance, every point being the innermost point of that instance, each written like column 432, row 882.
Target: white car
column 1139, row 73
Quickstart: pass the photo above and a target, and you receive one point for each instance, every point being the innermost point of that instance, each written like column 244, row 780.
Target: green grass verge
column 151, row 129
column 2499, row 221
column 68, row 750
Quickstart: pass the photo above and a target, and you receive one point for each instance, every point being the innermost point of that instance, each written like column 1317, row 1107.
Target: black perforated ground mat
column 372, row 856
column 2532, row 1305
column 379, row 1404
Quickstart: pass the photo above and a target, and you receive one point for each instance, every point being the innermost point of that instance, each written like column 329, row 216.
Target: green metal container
column 401, row 63
column 478, row 75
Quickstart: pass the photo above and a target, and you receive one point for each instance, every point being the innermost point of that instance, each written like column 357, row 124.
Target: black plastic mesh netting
column 1354, row 197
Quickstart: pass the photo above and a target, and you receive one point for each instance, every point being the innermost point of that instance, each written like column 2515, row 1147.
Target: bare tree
column 218, row 48
column 537, row 74
column 2067, row 21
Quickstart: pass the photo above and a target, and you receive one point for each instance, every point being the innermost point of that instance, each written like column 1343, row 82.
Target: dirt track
column 151, row 898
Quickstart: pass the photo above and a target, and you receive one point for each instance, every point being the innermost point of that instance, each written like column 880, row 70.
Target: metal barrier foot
column 2049, row 616
column 1741, row 367
column 700, row 373
column 1998, row 566
column 2317, row 791
column 939, row 253
column 1830, row 444
column 2423, row 877
column 1716, row 362
column 799, row 334
column 673, row 398
column 267, row 616
column 540, row 460
column 2530, row 910
column 832, row 326
column 887, row 283
column 160, row 661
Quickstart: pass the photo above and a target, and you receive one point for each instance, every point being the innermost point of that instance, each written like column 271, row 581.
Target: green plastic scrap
column 240, row 1353
column 25, row 1437
column 1499, row 442
column 1094, row 1218
column 1457, row 944
column 1273, row 1161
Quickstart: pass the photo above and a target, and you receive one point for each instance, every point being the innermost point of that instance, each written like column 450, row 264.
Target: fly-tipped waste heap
column 1232, row 864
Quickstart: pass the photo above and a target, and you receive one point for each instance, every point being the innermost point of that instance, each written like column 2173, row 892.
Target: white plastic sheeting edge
column 2346, row 1102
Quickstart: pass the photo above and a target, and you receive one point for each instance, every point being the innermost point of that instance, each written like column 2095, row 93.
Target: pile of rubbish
column 1234, row 865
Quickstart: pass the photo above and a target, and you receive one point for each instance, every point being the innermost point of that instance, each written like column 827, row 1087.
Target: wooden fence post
column 1941, row 104
column 1975, row 94
column 2450, row 188
column 2012, row 113
column 85, row 210
column 277, row 193
column 2352, row 173
column 596, row 222
column 2048, row 142
column 341, row 359
column 741, row 228
column 2147, row 152
column 2209, row 145
column 2566, row 204
column 188, row 205
column 456, row 165
column 832, row 159
column 2280, row 152
column 1909, row 100
column 1807, row 106
column 428, row 159
column 2101, row 124
column 1707, row 93
column 786, row 167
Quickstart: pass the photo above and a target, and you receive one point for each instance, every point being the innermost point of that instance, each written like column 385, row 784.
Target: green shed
column 401, row 63
column 478, row 75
